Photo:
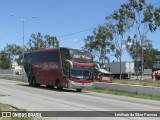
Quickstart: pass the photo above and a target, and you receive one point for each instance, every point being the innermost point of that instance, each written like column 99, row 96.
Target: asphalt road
column 20, row 95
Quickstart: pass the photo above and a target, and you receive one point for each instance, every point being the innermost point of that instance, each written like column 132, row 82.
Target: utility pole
column 23, row 32
column 142, row 39
column 137, row 58
column 23, row 19
column 23, row 49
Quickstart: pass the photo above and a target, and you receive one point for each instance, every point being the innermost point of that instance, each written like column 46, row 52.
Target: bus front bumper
column 76, row 85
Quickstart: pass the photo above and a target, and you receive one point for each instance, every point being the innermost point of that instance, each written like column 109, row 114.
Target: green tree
column 122, row 25
column 134, row 47
column 149, row 57
column 15, row 52
column 100, row 43
column 51, row 41
column 146, row 18
column 19, row 59
column 38, row 41
column 5, row 60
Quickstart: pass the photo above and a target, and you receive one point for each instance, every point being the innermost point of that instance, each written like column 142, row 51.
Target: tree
column 51, row 41
column 37, row 41
column 146, row 17
column 149, row 57
column 100, row 43
column 19, row 59
column 15, row 52
column 122, row 25
column 134, row 47
column 5, row 60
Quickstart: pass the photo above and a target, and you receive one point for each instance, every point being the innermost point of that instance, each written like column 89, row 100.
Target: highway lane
column 22, row 96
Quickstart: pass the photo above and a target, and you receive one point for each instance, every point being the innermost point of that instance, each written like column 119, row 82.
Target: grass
column 114, row 92
column 4, row 107
column 138, row 82
column 14, row 79
column 17, row 118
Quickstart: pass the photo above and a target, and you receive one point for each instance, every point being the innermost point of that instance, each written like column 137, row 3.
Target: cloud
column 75, row 40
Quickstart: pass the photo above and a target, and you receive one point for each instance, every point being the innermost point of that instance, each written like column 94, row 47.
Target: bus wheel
column 30, row 81
column 58, row 84
column 49, row 86
column 79, row 90
column 34, row 82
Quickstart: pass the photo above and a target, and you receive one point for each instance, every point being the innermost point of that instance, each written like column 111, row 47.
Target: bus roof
column 52, row 49
column 43, row 50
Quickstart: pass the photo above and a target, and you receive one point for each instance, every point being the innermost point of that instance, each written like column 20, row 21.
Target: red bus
column 60, row 67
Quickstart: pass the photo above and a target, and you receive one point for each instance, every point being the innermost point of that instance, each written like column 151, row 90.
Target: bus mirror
column 97, row 66
column 68, row 72
column 71, row 64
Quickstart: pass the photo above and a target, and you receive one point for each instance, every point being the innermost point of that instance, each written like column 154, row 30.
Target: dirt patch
column 13, row 108
column 6, row 107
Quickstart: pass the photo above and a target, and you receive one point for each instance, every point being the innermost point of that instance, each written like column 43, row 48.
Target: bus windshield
column 82, row 72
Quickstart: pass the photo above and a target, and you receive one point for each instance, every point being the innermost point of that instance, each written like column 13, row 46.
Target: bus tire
column 58, row 84
column 49, row 86
column 79, row 90
column 30, row 81
column 34, row 82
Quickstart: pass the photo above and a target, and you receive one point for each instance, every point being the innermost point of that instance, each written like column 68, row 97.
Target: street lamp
column 23, row 19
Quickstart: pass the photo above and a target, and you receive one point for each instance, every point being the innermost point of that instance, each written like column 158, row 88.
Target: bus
column 60, row 67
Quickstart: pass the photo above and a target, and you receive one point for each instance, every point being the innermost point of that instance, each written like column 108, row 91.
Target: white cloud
column 75, row 40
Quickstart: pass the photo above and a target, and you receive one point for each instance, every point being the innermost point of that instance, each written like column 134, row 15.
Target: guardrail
column 137, row 89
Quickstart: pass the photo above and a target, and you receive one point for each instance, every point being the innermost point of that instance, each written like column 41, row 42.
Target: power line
column 156, row 3
column 76, row 32
column 92, row 27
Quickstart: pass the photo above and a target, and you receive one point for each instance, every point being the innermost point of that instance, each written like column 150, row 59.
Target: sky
column 58, row 18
